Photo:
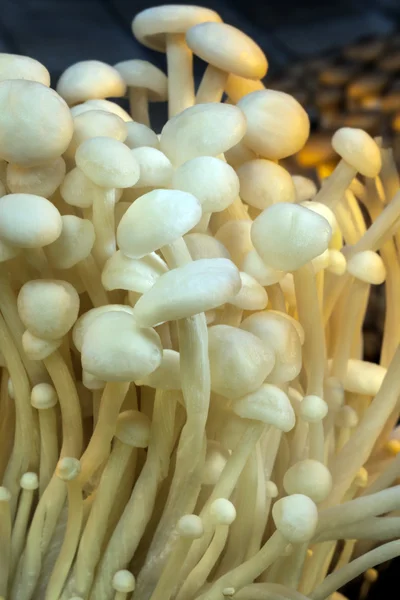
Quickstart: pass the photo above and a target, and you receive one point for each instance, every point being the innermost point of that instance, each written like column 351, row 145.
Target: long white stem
column 212, row 85
column 180, row 76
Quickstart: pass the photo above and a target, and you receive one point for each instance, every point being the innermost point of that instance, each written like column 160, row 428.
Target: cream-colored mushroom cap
column 281, row 334
column 115, row 349
column 14, row 66
column 252, row 295
column 90, row 79
column 140, row 135
column 48, row 308
column 77, row 189
column 167, row 375
column 143, row 74
column 73, row 245
column 28, row 221
column 190, row 526
column 313, row 409
column 305, row 188
column 87, row 318
column 29, row 481
column 155, row 168
column 202, row 130
column 323, row 210
column 186, row 291
column 101, row 104
column 269, row 404
column 239, row 361
column 133, row 428
column 363, row 377
column 287, row 236
column 35, row 123
column 359, row 150
column 107, row 162
column 151, row 24
column 213, row 182
column 216, row 459
column 296, row 517
column 123, row 582
column 68, row 468
column 156, row 219
column 222, row 512
column 263, row 183
column 367, row 266
column 43, row 396
column 255, row 266
column 42, row 180
column 136, row 275
column 37, row 348
column 309, row 477
column 202, row 245
column 96, row 123
column 277, row 125
column 227, row 49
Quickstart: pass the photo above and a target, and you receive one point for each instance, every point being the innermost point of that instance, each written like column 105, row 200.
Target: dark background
column 61, row 32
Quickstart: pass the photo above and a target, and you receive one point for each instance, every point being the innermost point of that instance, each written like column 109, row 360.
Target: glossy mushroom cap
column 142, row 74
column 43, row 396
column 296, row 517
column 359, row 150
column 107, row 162
column 269, row 404
column 96, row 123
column 133, row 428
column 140, row 135
column 73, row 245
column 263, row 183
column 90, row 79
column 308, row 477
column 137, row 275
column 86, row 319
column 155, row 168
column 367, row 266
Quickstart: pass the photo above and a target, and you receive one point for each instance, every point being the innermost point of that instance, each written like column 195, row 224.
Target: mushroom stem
column 212, row 85
column 268, row 591
column 103, row 219
column 339, row 578
column 373, row 528
column 7, row 424
column 37, row 259
column 90, row 275
column 180, row 77
column 48, row 446
column 21, row 523
column 337, row 183
column 5, row 539
column 139, row 105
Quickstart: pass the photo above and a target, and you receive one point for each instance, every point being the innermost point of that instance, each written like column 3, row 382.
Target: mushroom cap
column 96, row 123
column 155, row 168
column 142, row 74
column 359, row 150
column 296, row 517
column 137, row 275
column 41, row 180
column 277, row 125
column 151, row 25
column 133, row 428
column 269, row 404
column 239, row 361
column 236, row 87
column 313, row 409
column 309, row 477
column 43, row 396
column 29, row 481
column 255, row 266
column 48, row 308
column 363, row 377
column 281, row 334
column 222, row 512
column 14, row 66
column 101, row 104
column 86, row 319
column 323, row 210
column 68, row 468
column 202, row 130
column 107, row 162
column 77, row 189
column 216, row 459
column 263, row 183
column 123, row 581
column 228, row 49
column 213, row 182
column 90, row 79
column 337, row 262
column 367, row 266
column 305, row 188
column 186, row 291
column 190, row 526
column 28, row 221
column 235, row 236
column 140, row 135
column 202, row 245
column 36, row 348
column 73, row 245
column 115, row 349
column 35, row 123
column 156, row 219
column 252, row 295
column 167, row 376
column 287, row 236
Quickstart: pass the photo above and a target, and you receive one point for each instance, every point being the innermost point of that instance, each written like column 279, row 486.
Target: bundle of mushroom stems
column 185, row 411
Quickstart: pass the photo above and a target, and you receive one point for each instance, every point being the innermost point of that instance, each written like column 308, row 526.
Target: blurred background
column 340, row 60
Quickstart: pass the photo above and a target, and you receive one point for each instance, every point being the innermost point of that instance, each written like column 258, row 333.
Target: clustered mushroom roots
column 185, row 408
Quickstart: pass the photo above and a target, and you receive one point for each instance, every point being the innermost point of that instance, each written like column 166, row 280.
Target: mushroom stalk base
column 335, row 186
column 139, row 105
column 212, row 85
column 180, row 78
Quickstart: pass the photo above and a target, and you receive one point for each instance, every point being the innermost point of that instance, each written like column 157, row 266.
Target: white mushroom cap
column 190, row 526
column 239, row 154
column 269, row 404
column 255, row 266
column 277, row 125
column 222, row 512
column 313, row 409
column 236, row 237
column 86, row 319
column 14, row 66
column 328, row 214
column 143, row 74
column 137, row 275
column 363, row 377
column 155, row 168
column 90, row 382
column 156, row 219
column 28, row 221
column 96, row 123
column 305, row 188
column 68, row 468
column 36, row 348
column 263, row 183
column 271, row 489
column 216, row 459
column 239, row 361
column 43, row 396
column 287, row 236
column 133, row 428
column 309, row 477
column 202, row 130
column 296, row 517
column 77, row 189
column 252, row 295
column 167, row 376
column 367, row 266
column 124, row 582
column 101, row 104
column 359, row 150
column 48, row 308
column 42, row 180
column 35, row 123
column 90, row 79
column 140, row 135
column 183, row 292
column 346, row 417
column 107, row 162
column 201, row 245
column 280, row 333
column 213, row 182
column 29, row 481
column 73, row 245
column 227, row 49
column 151, row 24
column 115, row 349
column 337, row 262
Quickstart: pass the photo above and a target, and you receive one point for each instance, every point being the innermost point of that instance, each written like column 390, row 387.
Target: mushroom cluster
column 185, row 408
